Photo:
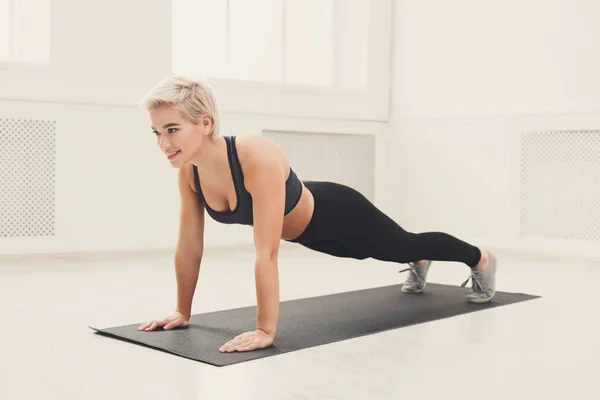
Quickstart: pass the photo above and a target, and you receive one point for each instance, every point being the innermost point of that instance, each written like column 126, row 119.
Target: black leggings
column 347, row 224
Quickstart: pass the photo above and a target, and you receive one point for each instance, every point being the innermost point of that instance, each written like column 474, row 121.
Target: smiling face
column 177, row 137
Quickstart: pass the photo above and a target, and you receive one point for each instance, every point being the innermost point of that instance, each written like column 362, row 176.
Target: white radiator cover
column 348, row 159
column 27, row 177
column 559, row 187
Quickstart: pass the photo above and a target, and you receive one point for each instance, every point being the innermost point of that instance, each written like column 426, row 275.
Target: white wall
column 114, row 190
column 468, row 78
column 109, row 185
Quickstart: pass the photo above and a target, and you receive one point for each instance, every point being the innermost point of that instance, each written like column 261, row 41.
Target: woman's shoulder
column 256, row 151
column 254, row 147
column 253, row 142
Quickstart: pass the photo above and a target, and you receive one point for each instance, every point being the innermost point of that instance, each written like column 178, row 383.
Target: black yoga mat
column 310, row 322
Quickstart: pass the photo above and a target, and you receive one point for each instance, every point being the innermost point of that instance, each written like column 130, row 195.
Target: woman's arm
column 190, row 243
column 266, row 184
column 264, row 178
column 188, row 255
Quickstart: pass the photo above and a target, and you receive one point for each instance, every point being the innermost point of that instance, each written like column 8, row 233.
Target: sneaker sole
column 482, row 301
column 413, row 291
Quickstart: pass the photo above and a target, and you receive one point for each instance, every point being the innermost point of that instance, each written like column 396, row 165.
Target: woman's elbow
column 266, row 256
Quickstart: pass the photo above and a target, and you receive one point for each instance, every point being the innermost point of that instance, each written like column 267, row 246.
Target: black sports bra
column 242, row 214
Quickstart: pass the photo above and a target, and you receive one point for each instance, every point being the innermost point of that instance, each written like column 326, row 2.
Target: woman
column 248, row 180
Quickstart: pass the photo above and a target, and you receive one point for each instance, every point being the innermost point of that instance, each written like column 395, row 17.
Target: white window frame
column 372, row 104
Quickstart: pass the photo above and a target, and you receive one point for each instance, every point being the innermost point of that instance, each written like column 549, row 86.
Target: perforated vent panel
column 27, row 173
column 560, row 190
column 347, row 159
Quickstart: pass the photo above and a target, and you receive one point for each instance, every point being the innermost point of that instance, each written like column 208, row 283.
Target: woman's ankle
column 483, row 261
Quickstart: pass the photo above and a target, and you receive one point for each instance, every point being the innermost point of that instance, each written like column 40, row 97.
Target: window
column 317, row 43
column 25, row 31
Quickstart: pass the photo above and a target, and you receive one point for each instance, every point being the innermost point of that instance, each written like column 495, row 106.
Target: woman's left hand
column 248, row 341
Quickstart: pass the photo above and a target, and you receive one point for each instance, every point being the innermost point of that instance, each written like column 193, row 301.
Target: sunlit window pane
column 352, row 43
column 32, row 31
column 309, row 42
column 200, row 37
column 321, row 43
column 255, row 40
column 5, row 26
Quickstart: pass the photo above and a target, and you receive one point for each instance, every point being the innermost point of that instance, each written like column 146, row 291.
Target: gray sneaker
column 483, row 288
column 417, row 277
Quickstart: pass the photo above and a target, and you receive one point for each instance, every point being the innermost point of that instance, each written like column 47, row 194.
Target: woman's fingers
column 167, row 323
column 248, row 347
column 179, row 322
column 243, row 342
column 149, row 326
column 173, row 324
column 144, row 326
column 173, row 321
column 152, row 326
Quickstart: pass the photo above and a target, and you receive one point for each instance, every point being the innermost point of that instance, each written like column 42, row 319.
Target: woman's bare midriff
column 297, row 220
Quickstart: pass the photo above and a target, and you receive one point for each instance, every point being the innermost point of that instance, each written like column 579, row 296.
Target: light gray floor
column 541, row 349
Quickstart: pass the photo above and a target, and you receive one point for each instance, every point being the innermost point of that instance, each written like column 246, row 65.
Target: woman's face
column 177, row 137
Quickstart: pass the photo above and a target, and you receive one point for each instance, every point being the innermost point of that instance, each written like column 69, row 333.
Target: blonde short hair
column 193, row 97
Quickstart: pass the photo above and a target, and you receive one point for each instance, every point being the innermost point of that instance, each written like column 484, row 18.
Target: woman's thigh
column 344, row 220
column 334, row 248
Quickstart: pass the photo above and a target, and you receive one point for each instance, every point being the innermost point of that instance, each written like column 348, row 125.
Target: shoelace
column 413, row 272
column 411, row 268
column 476, row 282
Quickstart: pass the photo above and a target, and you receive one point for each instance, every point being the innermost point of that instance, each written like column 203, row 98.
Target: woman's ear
column 206, row 124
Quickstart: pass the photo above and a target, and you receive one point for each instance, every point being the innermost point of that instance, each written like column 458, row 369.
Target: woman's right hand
column 175, row 320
